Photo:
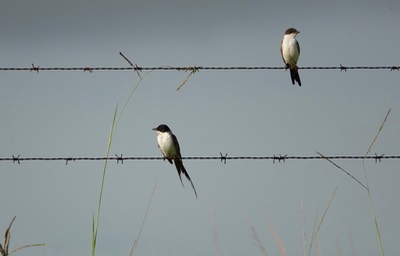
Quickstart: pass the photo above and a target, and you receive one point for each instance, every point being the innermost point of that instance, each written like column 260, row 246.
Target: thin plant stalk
column 115, row 122
column 95, row 219
column 317, row 227
column 215, row 232
column 303, row 227
column 135, row 243
column 278, row 240
column 378, row 234
column 259, row 243
column 343, row 170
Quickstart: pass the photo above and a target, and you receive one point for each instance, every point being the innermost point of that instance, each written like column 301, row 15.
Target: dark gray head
column 291, row 31
column 162, row 128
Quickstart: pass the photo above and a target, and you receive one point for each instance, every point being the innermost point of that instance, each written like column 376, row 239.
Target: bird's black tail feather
column 180, row 168
column 294, row 75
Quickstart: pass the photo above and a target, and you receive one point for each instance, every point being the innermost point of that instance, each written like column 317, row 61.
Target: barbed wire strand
column 223, row 158
column 190, row 68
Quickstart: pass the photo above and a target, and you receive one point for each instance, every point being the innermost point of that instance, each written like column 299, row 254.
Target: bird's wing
column 176, row 145
column 298, row 46
column 282, row 53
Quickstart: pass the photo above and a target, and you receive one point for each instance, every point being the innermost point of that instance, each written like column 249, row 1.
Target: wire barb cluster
column 222, row 157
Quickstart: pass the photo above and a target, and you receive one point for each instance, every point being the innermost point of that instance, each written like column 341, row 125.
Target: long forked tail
column 294, row 75
column 180, row 168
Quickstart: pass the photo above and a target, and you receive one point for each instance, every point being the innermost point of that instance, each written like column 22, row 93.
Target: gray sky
column 235, row 112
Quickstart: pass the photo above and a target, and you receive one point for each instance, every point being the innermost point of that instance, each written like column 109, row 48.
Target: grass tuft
column 4, row 248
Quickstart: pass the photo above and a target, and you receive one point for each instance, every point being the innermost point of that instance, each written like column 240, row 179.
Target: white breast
column 290, row 51
column 166, row 144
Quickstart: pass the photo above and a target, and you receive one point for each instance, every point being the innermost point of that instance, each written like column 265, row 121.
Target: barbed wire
column 223, row 158
column 191, row 68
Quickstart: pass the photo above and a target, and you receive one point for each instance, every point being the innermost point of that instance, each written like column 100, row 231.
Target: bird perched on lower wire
column 290, row 51
column 169, row 146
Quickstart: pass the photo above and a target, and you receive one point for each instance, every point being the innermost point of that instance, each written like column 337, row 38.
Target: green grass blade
column 115, row 122
column 343, row 170
column 378, row 233
column 192, row 70
column 129, row 98
column 95, row 229
column 377, row 134
column 25, row 246
column 93, row 234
